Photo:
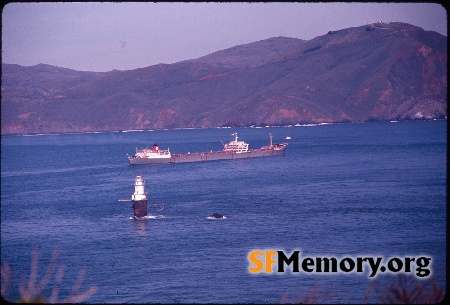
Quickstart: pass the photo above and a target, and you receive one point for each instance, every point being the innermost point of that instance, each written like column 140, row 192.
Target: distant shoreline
column 224, row 127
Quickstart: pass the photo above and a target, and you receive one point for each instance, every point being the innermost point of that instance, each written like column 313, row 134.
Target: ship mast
column 235, row 136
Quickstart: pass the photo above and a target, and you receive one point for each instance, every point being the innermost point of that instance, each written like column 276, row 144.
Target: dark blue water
column 341, row 190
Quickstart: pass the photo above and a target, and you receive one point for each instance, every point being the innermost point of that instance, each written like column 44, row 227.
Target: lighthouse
column 139, row 198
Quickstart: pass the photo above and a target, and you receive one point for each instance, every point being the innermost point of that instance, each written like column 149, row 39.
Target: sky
column 95, row 36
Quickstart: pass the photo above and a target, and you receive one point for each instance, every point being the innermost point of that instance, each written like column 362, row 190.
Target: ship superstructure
column 232, row 150
column 236, row 146
column 155, row 155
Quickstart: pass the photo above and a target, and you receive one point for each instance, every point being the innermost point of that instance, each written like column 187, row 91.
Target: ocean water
column 369, row 189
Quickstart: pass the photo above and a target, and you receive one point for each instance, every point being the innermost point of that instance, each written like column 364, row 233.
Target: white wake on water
column 148, row 217
column 215, row 218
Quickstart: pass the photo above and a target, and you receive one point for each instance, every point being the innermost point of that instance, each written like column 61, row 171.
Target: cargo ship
column 232, row 150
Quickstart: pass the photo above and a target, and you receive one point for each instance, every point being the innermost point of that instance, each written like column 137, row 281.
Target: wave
column 96, row 132
column 39, row 134
column 148, row 217
column 62, row 134
column 312, row 124
column 214, row 218
column 154, row 216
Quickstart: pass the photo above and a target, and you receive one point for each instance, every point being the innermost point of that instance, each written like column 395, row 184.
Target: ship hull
column 137, row 161
column 140, row 208
column 212, row 156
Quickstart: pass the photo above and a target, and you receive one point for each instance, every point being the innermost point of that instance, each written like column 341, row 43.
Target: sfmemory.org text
column 266, row 260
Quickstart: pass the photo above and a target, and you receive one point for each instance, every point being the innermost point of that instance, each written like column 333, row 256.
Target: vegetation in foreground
column 32, row 290
column 400, row 289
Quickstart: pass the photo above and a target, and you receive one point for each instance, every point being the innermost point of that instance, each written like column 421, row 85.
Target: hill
column 378, row 71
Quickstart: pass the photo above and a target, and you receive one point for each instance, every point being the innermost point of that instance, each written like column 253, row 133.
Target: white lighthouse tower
column 139, row 198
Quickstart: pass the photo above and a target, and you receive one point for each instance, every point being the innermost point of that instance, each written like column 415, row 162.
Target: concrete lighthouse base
column 140, row 208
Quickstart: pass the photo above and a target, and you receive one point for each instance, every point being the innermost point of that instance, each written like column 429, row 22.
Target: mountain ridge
column 375, row 72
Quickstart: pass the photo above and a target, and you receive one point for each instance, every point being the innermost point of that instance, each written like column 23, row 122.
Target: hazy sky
column 105, row 36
